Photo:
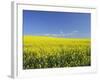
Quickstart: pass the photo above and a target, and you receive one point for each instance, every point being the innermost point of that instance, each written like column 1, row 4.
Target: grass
column 53, row 52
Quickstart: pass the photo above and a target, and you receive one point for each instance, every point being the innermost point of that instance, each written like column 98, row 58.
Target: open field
column 53, row 52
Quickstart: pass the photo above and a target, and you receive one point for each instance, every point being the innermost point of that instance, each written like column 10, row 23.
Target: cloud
column 75, row 31
column 72, row 33
column 62, row 34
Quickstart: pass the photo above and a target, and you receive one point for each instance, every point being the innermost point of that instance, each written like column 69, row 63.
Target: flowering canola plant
column 53, row 52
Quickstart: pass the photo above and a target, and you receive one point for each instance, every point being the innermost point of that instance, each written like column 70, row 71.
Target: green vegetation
column 52, row 52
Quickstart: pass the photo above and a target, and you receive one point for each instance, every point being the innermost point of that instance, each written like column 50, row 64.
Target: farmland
column 53, row 52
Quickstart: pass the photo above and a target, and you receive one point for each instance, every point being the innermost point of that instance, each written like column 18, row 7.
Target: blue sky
column 67, row 24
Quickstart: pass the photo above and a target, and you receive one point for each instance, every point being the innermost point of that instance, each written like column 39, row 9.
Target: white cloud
column 72, row 33
column 62, row 34
column 75, row 31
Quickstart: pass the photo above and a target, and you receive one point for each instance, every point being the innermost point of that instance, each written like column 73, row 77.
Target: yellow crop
column 49, row 52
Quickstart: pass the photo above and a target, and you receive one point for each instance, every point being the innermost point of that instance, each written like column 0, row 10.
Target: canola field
column 52, row 52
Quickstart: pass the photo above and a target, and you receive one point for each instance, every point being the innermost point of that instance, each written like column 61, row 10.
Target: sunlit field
column 52, row 52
